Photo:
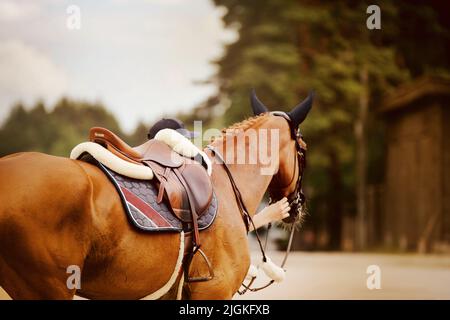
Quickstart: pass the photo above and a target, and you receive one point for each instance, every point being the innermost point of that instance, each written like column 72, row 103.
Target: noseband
column 296, row 199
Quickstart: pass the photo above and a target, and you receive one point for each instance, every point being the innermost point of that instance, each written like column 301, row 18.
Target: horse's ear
column 257, row 106
column 299, row 113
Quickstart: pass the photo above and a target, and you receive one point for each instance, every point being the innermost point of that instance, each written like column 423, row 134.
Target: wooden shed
column 416, row 215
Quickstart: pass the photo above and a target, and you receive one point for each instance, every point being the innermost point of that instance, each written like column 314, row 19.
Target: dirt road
column 343, row 276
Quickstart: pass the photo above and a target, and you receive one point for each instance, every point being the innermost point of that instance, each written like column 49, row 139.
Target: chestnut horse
column 56, row 212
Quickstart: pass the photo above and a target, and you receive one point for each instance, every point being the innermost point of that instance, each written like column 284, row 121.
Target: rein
column 243, row 209
column 296, row 198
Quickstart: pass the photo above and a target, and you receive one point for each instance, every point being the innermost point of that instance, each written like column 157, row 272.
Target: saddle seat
column 182, row 181
column 116, row 145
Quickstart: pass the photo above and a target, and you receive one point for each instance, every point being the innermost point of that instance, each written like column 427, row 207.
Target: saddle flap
column 192, row 176
column 161, row 153
column 199, row 184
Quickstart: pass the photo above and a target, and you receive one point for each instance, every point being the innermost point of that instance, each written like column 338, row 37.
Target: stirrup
column 205, row 258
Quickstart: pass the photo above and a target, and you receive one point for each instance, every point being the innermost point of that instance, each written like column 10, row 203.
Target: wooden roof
column 405, row 95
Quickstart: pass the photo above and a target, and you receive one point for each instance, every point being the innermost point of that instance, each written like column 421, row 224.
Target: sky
column 142, row 59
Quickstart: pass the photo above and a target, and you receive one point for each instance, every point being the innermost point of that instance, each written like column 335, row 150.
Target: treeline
column 286, row 48
column 57, row 129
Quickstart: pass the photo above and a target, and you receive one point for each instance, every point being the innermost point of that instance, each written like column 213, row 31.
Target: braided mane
column 240, row 126
column 245, row 124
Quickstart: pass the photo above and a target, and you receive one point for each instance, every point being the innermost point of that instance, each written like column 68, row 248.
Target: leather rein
column 296, row 199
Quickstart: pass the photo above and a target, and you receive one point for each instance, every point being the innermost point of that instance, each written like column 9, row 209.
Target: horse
column 57, row 212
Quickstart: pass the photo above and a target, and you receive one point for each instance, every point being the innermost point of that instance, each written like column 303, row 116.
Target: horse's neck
column 251, row 184
column 252, row 179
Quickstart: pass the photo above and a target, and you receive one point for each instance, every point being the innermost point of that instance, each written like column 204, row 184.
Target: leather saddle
column 183, row 182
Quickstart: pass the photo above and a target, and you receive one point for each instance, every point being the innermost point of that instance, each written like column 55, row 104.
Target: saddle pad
column 139, row 202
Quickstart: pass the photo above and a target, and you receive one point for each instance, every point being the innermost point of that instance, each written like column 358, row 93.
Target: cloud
column 27, row 74
column 140, row 57
column 166, row 2
column 17, row 10
column 151, row 2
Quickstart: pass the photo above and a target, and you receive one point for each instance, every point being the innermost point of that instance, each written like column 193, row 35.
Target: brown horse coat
column 56, row 212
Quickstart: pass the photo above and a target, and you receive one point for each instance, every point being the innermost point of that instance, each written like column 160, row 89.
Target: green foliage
column 55, row 132
column 286, row 48
column 139, row 135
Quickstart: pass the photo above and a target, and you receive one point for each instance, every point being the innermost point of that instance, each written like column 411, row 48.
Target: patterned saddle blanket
column 139, row 202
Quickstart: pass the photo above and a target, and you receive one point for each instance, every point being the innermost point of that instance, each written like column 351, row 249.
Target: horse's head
column 287, row 182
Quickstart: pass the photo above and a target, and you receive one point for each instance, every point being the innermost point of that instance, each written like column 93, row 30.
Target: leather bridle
column 296, row 199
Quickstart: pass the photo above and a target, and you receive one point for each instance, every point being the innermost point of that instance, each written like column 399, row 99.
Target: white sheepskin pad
column 182, row 145
column 110, row 160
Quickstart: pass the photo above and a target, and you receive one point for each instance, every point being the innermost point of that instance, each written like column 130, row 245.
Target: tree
column 55, row 132
column 287, row 47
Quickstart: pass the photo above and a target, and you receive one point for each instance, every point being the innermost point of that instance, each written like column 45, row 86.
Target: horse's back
column 32, row 182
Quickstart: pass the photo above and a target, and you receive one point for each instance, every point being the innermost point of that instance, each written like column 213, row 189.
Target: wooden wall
column 413, row 191
column 445, row 225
